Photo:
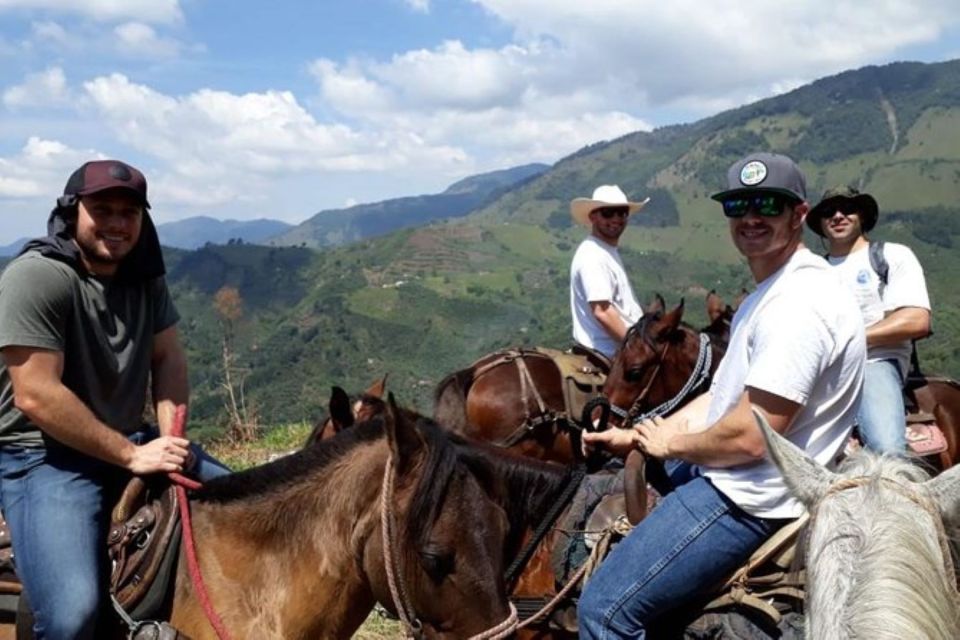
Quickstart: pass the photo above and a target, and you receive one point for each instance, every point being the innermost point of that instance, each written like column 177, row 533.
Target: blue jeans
column 882, row 425
column 57, row 504
column 690, row 542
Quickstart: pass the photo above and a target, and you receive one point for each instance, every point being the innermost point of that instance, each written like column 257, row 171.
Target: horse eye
column 633, row 375
column 437, row 565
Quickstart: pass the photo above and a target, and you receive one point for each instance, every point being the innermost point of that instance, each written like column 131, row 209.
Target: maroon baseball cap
column 100, row 175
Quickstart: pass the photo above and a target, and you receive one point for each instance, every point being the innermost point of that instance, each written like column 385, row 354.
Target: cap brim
column 580, row 208
column 732, row 193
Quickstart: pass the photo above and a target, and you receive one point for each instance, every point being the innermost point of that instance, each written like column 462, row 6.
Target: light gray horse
column 877, row 554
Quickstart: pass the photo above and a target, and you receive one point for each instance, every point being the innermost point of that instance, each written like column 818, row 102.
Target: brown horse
column 516, row 399
column 304, row 546
column 663, row 363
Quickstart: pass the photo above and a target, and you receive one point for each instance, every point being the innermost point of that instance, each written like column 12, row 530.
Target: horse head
column 445, row 548
column 652, row 363
column 342, row 414
column 879, row 563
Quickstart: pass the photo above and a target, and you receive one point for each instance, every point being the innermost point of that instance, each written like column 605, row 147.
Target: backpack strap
column 878, row 262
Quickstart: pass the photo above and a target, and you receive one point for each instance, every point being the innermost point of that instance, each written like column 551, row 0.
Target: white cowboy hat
column 607, row 195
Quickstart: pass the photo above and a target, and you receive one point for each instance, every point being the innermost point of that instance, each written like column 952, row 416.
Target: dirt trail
column 892, row 122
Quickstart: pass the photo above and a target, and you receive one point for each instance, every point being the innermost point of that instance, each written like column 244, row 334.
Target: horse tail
column 450, row 400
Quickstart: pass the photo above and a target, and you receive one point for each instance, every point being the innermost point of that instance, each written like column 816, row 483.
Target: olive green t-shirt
column 105, row 331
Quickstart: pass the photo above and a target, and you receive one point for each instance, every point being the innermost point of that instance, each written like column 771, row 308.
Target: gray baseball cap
column 764, row 172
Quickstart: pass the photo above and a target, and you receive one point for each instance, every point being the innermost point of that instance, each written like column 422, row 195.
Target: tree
column 242, row 420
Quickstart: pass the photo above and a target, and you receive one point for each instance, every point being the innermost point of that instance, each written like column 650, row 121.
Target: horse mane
column 521, row 486
column 877, row 556
column 281, row 473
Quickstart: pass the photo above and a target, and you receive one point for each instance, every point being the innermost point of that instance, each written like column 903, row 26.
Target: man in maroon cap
column 86, row 321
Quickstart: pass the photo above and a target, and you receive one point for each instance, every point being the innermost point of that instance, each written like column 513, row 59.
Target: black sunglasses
column 609, row 212
column 846, row 209
column 767, row 205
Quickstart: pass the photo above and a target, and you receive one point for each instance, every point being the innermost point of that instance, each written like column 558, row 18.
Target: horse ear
column 377, row 388
column 807, row 479
column 341, row 415
column 945, row 489
column 669, row 323
column 714, row 305
column 405, row 442
column 656, row 305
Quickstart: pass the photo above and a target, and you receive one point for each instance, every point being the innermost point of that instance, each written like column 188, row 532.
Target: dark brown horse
column 516, row 399
column 303, row 547
column 663, row 363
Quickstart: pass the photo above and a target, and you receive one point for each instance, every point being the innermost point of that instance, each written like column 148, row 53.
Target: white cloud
column 39, row 164
column 152, row 11
column 45, row 89
column 423, row 6
column 237, row 141
column 137, row 38
column 688, row 49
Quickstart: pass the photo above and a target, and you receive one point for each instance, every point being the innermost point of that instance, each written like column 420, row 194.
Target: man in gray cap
column 85, row 321
column 887, row 281
column 796, row 354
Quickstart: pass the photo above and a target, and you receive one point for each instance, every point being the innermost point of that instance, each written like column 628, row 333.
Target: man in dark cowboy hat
column 85, row 321
column 796, row 354
column 602, row 302
column 893, row 300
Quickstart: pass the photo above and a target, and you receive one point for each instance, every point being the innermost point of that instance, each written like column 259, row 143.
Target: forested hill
column 421, row 302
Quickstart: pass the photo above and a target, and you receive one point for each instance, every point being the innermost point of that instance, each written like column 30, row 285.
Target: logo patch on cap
column 753, row 173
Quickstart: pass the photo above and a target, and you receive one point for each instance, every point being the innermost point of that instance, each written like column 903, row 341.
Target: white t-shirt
column 597, row 274
column 798, row 336
column 905, row 287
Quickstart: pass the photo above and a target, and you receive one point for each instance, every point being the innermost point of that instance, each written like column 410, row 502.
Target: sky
column 240, row 109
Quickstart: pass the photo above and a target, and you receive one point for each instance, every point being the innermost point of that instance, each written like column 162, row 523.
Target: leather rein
column 392, row 563
column 699, row 375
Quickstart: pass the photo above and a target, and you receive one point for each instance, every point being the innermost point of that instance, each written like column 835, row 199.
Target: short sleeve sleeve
column 36, row 299
column 906, row 286
column 165, row 312
column 788, row 350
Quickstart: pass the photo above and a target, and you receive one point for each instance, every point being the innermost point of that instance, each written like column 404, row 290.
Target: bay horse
column 304, row 546
column 879, row 563
column 518, row 402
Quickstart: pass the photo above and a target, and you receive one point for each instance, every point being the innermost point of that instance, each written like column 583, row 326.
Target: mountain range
column 421, row 301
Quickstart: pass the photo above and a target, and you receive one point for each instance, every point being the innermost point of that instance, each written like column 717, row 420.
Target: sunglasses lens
column 765, row 205
column 609, row 213
column 735, row 207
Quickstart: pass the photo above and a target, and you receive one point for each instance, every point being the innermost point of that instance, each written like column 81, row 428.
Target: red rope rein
column 182, row 484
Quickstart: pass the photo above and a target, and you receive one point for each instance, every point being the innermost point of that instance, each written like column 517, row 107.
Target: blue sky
column 254, row 109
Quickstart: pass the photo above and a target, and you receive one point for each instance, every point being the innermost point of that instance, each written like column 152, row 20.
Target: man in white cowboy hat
column 887, row 282
column 601, row 300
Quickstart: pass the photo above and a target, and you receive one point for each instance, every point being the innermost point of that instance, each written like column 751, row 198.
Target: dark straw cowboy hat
column 864, row 204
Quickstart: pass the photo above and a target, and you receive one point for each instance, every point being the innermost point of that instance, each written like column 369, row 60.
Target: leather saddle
column 143, row 545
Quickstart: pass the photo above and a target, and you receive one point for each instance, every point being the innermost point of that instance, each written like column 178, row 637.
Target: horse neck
column 876, row 569
column 282, row 563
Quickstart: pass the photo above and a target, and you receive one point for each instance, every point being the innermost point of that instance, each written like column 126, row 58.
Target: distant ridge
column 191, row 233
column 335, row 227
column 13, row 248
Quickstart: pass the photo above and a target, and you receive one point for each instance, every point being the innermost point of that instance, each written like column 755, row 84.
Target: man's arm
column 609, row 318
column 168, row 364
column 733, row 440
column 905, row 323
column 40, row 395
